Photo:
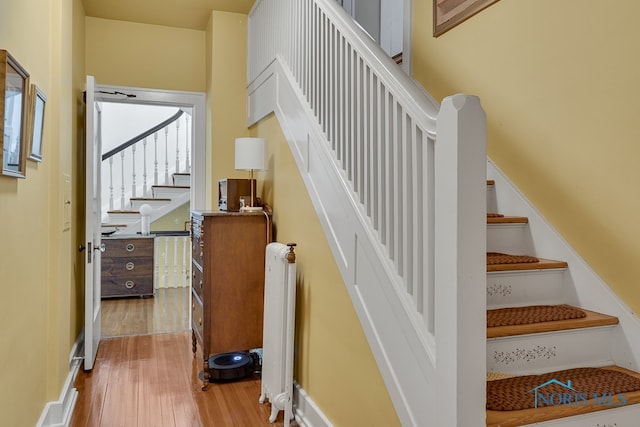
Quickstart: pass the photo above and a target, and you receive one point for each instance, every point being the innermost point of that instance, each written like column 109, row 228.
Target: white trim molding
column 59, row 413
column 307, row 413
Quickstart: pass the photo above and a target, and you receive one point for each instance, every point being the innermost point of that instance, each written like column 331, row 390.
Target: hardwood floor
column 167, row 311
column 152, row 381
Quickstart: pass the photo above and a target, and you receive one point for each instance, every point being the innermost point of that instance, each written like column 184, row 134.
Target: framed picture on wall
column 14, row 87
column 36, row 122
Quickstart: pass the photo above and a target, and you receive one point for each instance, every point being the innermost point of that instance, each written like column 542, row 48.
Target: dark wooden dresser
column 228, row 281
column 127, row 266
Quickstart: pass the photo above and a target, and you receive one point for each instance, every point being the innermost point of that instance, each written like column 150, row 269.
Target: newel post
column 460, row 262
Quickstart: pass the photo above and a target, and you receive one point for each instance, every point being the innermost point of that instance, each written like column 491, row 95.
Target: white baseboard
column 58, row 413
column 306, row 411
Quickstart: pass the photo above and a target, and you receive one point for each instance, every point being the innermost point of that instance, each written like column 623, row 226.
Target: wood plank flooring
column 167, row 311
column 152, row 381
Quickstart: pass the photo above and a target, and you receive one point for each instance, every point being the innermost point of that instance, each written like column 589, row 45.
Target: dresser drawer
column 128, row 247
column 126, row 267
column 122, row 287
column 197, row 282
column 197, row 317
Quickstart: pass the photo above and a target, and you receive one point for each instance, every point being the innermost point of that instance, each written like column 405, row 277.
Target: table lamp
column 251, row 155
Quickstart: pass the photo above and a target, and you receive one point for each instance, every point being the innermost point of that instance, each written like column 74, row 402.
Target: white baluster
column 145, row 186
column 177, row 170
column 166, row 155
column 122, row 180
column 186, row 262
column 176, row 264
column 156, row 262
column 155, row 158
column 111, row 183
column 133, row 171
column 166, row 262
column 187, row 143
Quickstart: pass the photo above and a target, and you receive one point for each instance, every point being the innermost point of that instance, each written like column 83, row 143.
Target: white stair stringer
column 404, row 349
column 581, row 286
column 534, row 354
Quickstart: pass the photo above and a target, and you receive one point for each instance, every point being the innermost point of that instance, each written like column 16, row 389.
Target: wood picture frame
column 37, row 103
column 14, row 100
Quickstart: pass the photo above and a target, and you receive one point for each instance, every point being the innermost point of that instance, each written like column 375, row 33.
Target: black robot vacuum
column 231, row 366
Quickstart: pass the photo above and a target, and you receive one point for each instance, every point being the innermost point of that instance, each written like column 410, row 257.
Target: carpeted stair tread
column 512, row 316
column 511, row 401
column 497, row 261
column 513, row 321
column 494, row 258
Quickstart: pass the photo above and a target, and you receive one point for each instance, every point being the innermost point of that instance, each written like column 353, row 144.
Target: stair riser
column 520, row 288
column 552, row 351
column 136, row 204
column 169, row 192
column 182, row 180
column 512, row 239
column 626, row 416
column 116, row 218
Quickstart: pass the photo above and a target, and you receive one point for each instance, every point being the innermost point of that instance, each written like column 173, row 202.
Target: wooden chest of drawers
column 127, row 266
column 228, row 281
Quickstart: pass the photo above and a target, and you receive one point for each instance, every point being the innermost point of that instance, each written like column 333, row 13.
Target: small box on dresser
column 228, row 281
column 127, row 266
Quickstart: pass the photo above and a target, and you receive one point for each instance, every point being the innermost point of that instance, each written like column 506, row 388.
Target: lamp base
column 251, row 209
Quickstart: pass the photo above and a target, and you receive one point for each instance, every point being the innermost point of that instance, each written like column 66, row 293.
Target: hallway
column 152, row 381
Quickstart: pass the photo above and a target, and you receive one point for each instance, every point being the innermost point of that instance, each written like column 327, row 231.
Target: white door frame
column 193, row 100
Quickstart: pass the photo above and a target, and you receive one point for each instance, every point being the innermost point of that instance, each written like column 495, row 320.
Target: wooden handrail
column 142, row 136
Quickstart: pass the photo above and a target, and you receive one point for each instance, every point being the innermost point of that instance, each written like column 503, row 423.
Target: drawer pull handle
column 200, row 322
column 129, row 284
column 130, row 266
column 130, row 247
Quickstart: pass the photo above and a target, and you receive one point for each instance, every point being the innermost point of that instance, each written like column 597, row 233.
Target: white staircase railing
column 399, row 186
column 172, row 256
column 126, row 168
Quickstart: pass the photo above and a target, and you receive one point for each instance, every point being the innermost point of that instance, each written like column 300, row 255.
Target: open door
column 93, row 220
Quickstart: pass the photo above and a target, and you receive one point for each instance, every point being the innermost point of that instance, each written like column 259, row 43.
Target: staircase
column 154, row 167
column 538, row 329
column 397, row 182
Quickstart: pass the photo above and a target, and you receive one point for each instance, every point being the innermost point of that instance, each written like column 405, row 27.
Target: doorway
column 126, row 114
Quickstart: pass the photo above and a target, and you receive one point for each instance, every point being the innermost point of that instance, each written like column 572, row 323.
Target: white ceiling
column 192, row 14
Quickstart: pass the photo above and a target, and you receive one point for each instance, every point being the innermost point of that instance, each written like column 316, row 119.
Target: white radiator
column 278, row 330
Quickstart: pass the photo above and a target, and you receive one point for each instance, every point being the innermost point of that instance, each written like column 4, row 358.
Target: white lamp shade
column 251, row 154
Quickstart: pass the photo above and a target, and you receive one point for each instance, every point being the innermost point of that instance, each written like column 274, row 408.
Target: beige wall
column 146, row 56
column 334, row 363
column 226, row 96
column 559, row 82
column 37, row 255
